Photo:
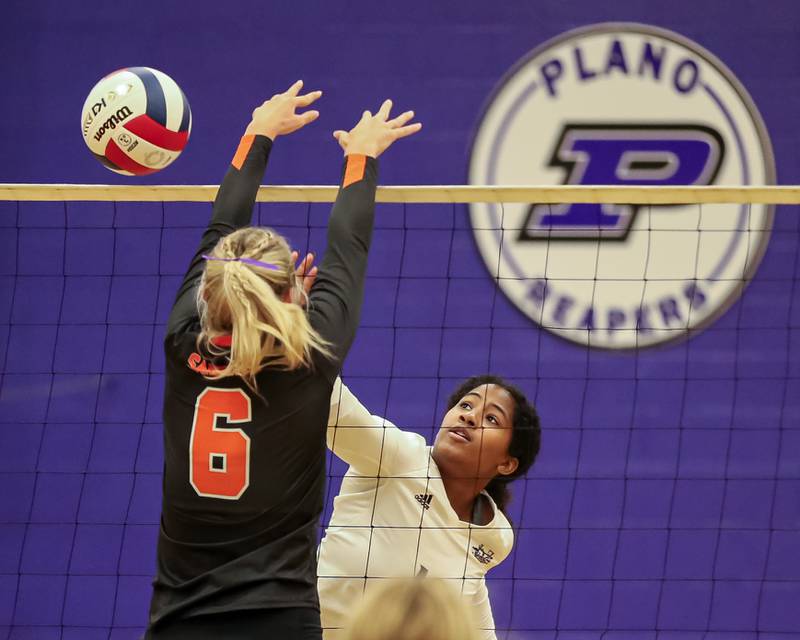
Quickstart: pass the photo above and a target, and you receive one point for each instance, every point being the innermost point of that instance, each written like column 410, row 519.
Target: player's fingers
column 366, row 115
column 411, row 129
column 294, row 256
column 383, row 112
column 400, row 120
column 306, row 264
column 343, row 138
column 307, row 117
column 294, row 89
column 308, row 281
column 307, row 99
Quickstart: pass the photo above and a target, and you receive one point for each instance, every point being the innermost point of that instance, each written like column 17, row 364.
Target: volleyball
column 136, row 121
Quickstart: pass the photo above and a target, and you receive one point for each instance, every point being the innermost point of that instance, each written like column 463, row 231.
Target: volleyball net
column 657, row 331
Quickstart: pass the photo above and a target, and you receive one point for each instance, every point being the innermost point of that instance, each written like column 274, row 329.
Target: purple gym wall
column 666, row 502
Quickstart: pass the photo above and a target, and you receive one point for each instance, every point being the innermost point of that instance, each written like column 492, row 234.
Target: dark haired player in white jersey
column 249, row 375
column 406, row 509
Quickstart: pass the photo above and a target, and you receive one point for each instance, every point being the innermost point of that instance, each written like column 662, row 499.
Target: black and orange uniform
column 244, row 475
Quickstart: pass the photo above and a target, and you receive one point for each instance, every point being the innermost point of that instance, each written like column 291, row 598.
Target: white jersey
column 392, row 519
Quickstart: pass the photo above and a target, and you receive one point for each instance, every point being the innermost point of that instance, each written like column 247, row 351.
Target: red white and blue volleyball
column 136, row 121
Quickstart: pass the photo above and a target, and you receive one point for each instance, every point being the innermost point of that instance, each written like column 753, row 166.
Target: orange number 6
column 219, row 459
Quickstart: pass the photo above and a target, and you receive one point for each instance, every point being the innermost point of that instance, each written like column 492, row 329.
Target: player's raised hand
column 373, row 134
column 305, row 272
column 277, row 117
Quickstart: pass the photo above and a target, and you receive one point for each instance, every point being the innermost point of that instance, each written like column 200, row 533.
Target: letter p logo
column 644, row 154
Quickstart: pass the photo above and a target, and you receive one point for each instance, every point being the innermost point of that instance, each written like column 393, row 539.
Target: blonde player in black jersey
column 249, row 375
column 406, row 509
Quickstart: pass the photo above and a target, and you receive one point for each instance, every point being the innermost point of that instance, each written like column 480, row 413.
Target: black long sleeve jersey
column 244, row 476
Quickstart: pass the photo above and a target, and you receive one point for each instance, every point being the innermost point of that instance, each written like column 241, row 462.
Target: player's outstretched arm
column 339, row 288
column 275, row 117
column 233, row 206
column 368, row 443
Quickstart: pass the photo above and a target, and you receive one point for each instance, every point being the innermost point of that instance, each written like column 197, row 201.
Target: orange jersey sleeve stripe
column 356, row 165
column 241, row 153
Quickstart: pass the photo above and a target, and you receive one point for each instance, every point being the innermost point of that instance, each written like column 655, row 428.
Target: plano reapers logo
column 621, row 104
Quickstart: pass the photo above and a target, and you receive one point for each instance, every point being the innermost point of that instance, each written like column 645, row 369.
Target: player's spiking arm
column 371, row 445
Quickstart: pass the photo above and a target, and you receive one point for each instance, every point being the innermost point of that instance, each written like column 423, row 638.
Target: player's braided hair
column 246, row 302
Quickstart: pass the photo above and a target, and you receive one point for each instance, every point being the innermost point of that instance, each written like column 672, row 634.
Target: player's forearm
column 354, row 210
column 355, row 435
column 346, row 410
column 351, row 222
column 233, row 206
column 338, row 291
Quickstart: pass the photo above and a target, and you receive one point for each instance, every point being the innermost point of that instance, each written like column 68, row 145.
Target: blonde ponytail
column 244, row 299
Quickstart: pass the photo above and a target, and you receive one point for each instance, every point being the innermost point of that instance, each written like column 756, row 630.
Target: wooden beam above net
column 416, row 194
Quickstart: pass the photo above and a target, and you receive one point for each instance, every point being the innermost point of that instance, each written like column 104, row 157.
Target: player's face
column 475, row 434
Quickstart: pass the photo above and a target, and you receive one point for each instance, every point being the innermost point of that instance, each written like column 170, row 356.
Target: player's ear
column 508, row 467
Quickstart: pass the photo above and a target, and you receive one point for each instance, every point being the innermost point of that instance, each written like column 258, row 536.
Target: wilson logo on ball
column 153, row 113
column 121, row 114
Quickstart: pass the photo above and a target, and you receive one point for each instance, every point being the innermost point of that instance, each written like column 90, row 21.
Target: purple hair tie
column 251, row 261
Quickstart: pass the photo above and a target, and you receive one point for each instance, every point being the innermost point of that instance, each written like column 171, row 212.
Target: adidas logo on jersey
column 484, row 556
column 424, row 499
